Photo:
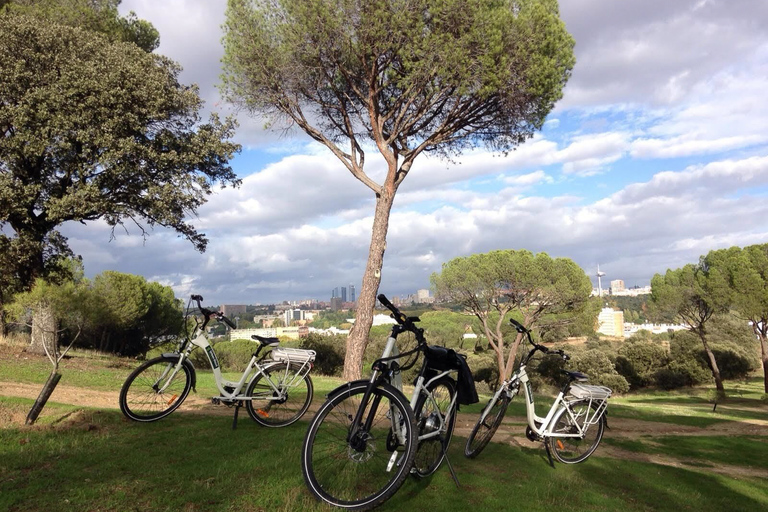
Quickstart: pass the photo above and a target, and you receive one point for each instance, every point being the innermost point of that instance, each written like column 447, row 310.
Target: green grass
column 747, row 451
column 89, row 459
column 95, row 460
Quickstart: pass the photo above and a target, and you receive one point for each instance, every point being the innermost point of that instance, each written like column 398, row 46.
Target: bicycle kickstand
column 450, row 467
column 549, row 455
column 238, row 404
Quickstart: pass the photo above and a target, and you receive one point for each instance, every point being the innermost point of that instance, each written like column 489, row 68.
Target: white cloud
column 654, row 79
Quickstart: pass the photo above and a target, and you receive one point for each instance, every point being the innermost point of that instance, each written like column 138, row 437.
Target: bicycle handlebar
column 208, row 313
column 524, row 330
column 398, row 315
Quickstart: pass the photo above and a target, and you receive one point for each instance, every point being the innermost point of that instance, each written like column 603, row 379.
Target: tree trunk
column 44, row 395
column 358, row 335
column 764, row 352
column 713, row 365
column 44, row 330
column 3, row 323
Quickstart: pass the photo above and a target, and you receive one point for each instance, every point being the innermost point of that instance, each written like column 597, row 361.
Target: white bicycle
column 572, row 428
column 275, row 388
column 368, row 437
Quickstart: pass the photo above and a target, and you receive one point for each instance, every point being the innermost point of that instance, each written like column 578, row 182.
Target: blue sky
column 656, row 154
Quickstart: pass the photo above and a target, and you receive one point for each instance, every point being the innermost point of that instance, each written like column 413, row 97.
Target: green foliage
column 328, row 318
column 96, row 130
column 638, row 361
column 600, row 369
column 546, row 292
column 95, row 15
column 330, row 352
column 635, row 308
column 436, row 74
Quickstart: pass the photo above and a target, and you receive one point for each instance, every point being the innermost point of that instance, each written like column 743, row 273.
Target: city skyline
column 655, row 155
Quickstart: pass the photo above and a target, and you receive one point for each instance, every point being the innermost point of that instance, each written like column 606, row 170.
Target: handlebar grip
column 384, row 301
column 227, row 321
column 518, row 326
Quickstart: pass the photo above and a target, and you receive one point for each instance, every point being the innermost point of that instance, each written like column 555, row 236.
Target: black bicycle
column 367, row 437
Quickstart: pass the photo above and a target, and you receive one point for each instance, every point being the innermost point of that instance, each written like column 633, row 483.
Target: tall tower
column 343, row 294
column 599, row 281
column 351, row 293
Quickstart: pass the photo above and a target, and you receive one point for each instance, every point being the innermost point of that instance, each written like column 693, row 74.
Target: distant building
column 293, row 315
column 352, row 296
column 422, row 297
column 343, row 294
column 617, row 285
column 611, row 322
column 230, row 310
column 336, row 303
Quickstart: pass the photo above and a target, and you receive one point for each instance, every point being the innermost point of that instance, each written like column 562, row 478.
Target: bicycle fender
column 346, row 386
column 188, row 364
column 362, row 382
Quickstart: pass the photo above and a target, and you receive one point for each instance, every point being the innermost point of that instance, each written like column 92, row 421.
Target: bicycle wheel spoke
column 346, row 471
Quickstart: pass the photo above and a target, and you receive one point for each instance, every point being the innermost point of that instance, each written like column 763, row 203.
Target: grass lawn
column 82, row 458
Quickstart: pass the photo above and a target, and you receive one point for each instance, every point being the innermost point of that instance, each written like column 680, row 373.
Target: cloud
column 656, row 51
column 665, row 112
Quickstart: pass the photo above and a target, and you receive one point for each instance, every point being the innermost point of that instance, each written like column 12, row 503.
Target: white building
column 611, row 322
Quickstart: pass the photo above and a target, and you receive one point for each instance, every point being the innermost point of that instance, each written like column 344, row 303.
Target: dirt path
column 511, row 431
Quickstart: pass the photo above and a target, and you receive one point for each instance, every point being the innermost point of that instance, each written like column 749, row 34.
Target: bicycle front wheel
column 486, row 427
column 434, row 426
column 571, row 450
column 155, row 389
column 280, row 395
column 362, row 469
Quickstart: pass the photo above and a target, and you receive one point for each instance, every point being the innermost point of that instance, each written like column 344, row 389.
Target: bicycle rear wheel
column 572, row 450
column 430, row 411
column 281, row 407
column 153, row 391
column 362, row 471
column 484, row 429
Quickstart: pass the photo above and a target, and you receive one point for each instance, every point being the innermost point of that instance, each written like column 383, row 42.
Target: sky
column 656, row 154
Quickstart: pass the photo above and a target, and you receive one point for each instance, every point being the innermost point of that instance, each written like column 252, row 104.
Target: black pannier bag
column 442, row 359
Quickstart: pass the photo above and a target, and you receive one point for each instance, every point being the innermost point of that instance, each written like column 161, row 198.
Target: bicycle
column 367, row 437
column 276, row 392
column 572, row 428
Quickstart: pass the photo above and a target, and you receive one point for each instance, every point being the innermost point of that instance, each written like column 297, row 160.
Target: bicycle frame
column 252, row 370
column 395, row 378
column 542, row 426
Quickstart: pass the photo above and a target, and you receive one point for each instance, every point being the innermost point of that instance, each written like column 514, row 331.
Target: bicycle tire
column 484, row 429
column 266, row 411
column 430, row 452
column 139, row 396
column 357, row 477
column 572, row 450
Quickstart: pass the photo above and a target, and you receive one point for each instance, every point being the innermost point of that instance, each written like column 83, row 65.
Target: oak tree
column 95, row 129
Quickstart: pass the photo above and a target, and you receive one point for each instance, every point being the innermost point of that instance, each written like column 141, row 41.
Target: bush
column 330, row 352
column 639, row 361
column 733, row 361
column 598, row 366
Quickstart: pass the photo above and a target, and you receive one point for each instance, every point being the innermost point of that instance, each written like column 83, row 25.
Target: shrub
column 600, row 369
column 639, row 361
column 330, row 350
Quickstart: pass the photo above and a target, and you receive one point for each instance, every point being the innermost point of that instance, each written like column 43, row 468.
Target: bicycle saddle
column 577, row 376
column 263, row 340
